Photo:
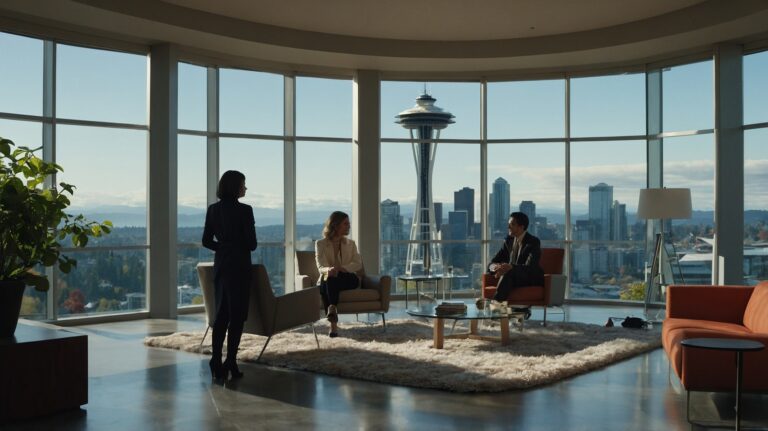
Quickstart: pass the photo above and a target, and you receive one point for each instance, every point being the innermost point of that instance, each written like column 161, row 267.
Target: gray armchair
column 269, row 314
column 372, row 297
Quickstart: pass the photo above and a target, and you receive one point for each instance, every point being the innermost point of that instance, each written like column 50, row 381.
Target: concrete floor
column 132, row 387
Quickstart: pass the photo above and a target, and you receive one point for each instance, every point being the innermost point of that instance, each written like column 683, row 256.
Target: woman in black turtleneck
column 231, row 234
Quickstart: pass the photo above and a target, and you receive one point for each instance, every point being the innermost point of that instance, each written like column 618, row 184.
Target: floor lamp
column 662, row 204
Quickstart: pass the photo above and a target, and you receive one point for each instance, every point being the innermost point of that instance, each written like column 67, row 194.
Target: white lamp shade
column 664, row 204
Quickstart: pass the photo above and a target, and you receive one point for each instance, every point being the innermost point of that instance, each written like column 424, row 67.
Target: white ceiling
column 450, row 38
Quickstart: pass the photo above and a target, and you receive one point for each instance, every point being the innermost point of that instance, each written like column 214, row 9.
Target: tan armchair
column 372, row 297
column 269, row 314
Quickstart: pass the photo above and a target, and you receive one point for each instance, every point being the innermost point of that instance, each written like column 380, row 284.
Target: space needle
column 424, row 122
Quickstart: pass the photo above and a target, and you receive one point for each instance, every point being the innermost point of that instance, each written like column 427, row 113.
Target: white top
column 326, row 256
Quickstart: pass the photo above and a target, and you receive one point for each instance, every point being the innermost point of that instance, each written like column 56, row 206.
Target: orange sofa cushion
column 703, row 302
column 756, row 314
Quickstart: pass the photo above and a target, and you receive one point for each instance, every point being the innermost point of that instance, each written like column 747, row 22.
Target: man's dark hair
column 229, row 185
column 520, row 218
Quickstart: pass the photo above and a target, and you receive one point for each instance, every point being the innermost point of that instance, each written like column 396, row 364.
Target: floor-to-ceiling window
column 323, row 154
column 97, row 130
column 756, row 167
column 101, row 142
column 233, row 119
column 192, row 181
column 688, row 162
column 607, row 171
column 21, row 98
column 526, row 159
column 251, row 141
column 597, row 145
column 86, row 110
column 455, row 183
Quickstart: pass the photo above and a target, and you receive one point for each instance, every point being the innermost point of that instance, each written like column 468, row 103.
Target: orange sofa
column 717, row 312
column 550, row 294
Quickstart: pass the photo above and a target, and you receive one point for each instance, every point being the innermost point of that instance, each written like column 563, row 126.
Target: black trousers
column 515, row 277
column 223, row 323
column 332, row 287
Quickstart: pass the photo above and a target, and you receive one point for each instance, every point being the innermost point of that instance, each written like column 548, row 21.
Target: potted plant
column 33, row 222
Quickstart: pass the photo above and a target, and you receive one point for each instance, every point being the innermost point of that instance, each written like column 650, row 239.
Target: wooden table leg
column 437, row 335
column 504, row 323
column 473, row 326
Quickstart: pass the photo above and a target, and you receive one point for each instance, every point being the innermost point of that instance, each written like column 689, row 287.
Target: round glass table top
column 471, row 313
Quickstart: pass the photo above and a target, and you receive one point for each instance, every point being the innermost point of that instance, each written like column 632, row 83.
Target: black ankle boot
column 230, row 367
column 217, row 370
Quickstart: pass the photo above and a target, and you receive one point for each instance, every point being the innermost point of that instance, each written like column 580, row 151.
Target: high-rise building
column 391, row 221
column 529, row 208
column 600, row 203
column 391, row 230
column 464, row 200
column 438, row 215
column 456, row 254
column 424, row 122
column 619, row 228
column 582, row 254
column 459, row 229
column 499, row 208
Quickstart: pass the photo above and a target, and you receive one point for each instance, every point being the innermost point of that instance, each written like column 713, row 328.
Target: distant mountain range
column 121, row 215
column 190, row 216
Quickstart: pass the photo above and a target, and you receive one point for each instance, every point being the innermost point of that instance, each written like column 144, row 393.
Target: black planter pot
column 11, row 292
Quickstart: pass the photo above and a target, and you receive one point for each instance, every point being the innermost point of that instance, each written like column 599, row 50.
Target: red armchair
column 552, row 293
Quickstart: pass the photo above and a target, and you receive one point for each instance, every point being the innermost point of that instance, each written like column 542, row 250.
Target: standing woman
column 231, row 234
column 338, row 261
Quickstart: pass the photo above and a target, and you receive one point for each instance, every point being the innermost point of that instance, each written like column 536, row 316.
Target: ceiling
column 440, row 19
column 406, row 37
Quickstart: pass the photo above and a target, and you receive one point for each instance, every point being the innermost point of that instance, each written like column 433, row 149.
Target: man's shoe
column 526, row 310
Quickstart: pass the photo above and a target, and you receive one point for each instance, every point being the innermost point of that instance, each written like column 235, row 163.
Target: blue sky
column 109, row 165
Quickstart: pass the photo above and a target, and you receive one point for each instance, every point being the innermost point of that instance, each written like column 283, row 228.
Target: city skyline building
column 529, row 208
column 391, row 230
column 455, row 253
column 424, row 123
column 619, row 228
column 600, row 204
column 499, row 207
column 464, row 200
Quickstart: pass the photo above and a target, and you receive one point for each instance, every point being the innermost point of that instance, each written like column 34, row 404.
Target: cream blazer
column 350, row 257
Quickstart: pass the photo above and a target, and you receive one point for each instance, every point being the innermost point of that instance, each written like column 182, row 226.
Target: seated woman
column 338, row 261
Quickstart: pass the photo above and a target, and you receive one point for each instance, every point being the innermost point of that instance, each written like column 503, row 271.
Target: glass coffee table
column 473, row 314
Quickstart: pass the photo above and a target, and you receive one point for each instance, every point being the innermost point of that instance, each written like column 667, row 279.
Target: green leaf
column 5, row 147
column 40, row 282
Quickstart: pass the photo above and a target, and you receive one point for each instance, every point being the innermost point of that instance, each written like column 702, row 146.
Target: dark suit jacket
column 231, row 233
column 526, row 267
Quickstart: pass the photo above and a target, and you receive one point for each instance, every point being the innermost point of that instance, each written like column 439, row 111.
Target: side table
column 418, row 279
column 733, row 345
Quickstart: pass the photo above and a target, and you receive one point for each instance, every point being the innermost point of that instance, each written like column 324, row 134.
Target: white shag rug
column 403, row 354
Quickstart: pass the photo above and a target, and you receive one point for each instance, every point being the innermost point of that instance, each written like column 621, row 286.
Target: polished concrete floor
column 132, row 387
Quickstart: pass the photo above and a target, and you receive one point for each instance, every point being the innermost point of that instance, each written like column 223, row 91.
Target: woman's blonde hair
column 333, row 222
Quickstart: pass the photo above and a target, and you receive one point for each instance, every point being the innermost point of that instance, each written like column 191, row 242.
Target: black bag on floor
column 634, row 323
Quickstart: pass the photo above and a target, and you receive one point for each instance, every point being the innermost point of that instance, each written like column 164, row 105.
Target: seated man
column 517, row 262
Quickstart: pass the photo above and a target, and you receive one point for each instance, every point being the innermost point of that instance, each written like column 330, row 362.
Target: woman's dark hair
column 521, row 219
column 333, row 222
column 229, row 185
